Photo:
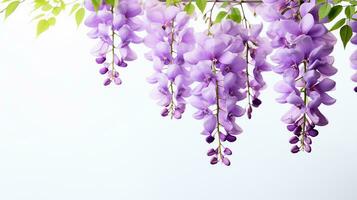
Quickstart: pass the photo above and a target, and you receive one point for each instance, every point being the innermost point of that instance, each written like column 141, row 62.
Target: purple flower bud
column 294, row 140
column 307, row 140
column 214, row 160
column 103, row 70
column 227, row 151
column 256, row 102
column 355, row 89
column 313, row 132
column 177, row 114
column 117, row 81
column 297, row 131
column 211, row 152
column 222, row 136
column 165, row 112
column 291, row 127
column 231, row 138
column 209, row 139
column 307, row 148
column 100, row 60
column 123, row 64
column 249, row 112
column 295, row 149
column 226, row 161
column 107, row 82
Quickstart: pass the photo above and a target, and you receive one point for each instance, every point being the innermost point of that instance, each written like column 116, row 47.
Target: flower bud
column 211, row 152
column 256, row 102
column 227, row 151
column 209, row 139
column 313, row 132
column 295, row 149
column 231, row 138
column 103, row 70
column 214, row 160
column 294, row 140
column 226, row 161
column 100, row 60
column 107, row 82
column 164, row 112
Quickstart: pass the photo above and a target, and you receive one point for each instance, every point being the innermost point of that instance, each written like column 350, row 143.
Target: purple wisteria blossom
column 219, row 83
column 169, row 38
column 114, row 27
column 353, row 57
column 302, row 56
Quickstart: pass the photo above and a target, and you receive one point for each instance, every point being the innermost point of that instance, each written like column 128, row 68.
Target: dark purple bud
column 295, row 149
column 231, row 138
column 107, row 82
column 165, row 112
column 209, row 139
column 123, row 64
column 313, row 132
column 227, row 151
column 103, row 70
column 256, row 102
column 307, row 148
column 226, row 161
column 307, row 140
column 211, row 152
column 249, row 112
column 100, row 60
column 355, row 89
column 291, row 127
column 214, row 160
column 297, row 131
column 222, row 137
column 294, row 140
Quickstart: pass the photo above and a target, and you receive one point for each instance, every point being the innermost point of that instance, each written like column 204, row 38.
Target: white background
column 64, row 136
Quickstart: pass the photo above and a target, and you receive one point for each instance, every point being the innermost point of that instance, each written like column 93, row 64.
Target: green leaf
column 52, row 21
column 80, row 16
column 42, row 26
column 334, row 12
column 235, row 15
column 324, row 10
column 221, row 15
column 110, row 2
column 201, row 4
column 338, row 24
column 74, row 8
column 349, row 11
column 346, row 34
column 96, row 4
column 47, row 7
column 190, row 9
column 56, row 11
column 11, row 8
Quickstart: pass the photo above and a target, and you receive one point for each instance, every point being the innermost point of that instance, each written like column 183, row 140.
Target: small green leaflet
column 346, row 34
column 190, row 9
column 201, row 4
column 324, row 10
column 338, row 24
column 235, row 15
column 96, row 4
column 349, row 11
column 11, row 8
column 74, row 8
column 80, row 16
column 221, row 15
column 334, row 12
column 42, row 26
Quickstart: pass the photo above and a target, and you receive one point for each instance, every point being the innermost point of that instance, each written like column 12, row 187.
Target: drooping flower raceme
column 219, row 82
column 353, row 57
column 169, row 38
column 303, row 46
column 114, row 27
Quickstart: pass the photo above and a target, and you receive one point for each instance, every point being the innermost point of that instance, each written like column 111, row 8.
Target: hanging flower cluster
column 114, row 26
column 220, row 71
column 303, row 47
column 169, row 38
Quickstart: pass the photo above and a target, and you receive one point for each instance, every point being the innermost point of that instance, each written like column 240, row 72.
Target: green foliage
column 80, row 16
column 11, row 7
column 221, row 15
column 190, row 9
column 324, row 10
column 96, row 4
column 334, row 12
column 235, row 15
column 338, row 24
column 42, row 26
column 201, row 4
column 346, row 34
